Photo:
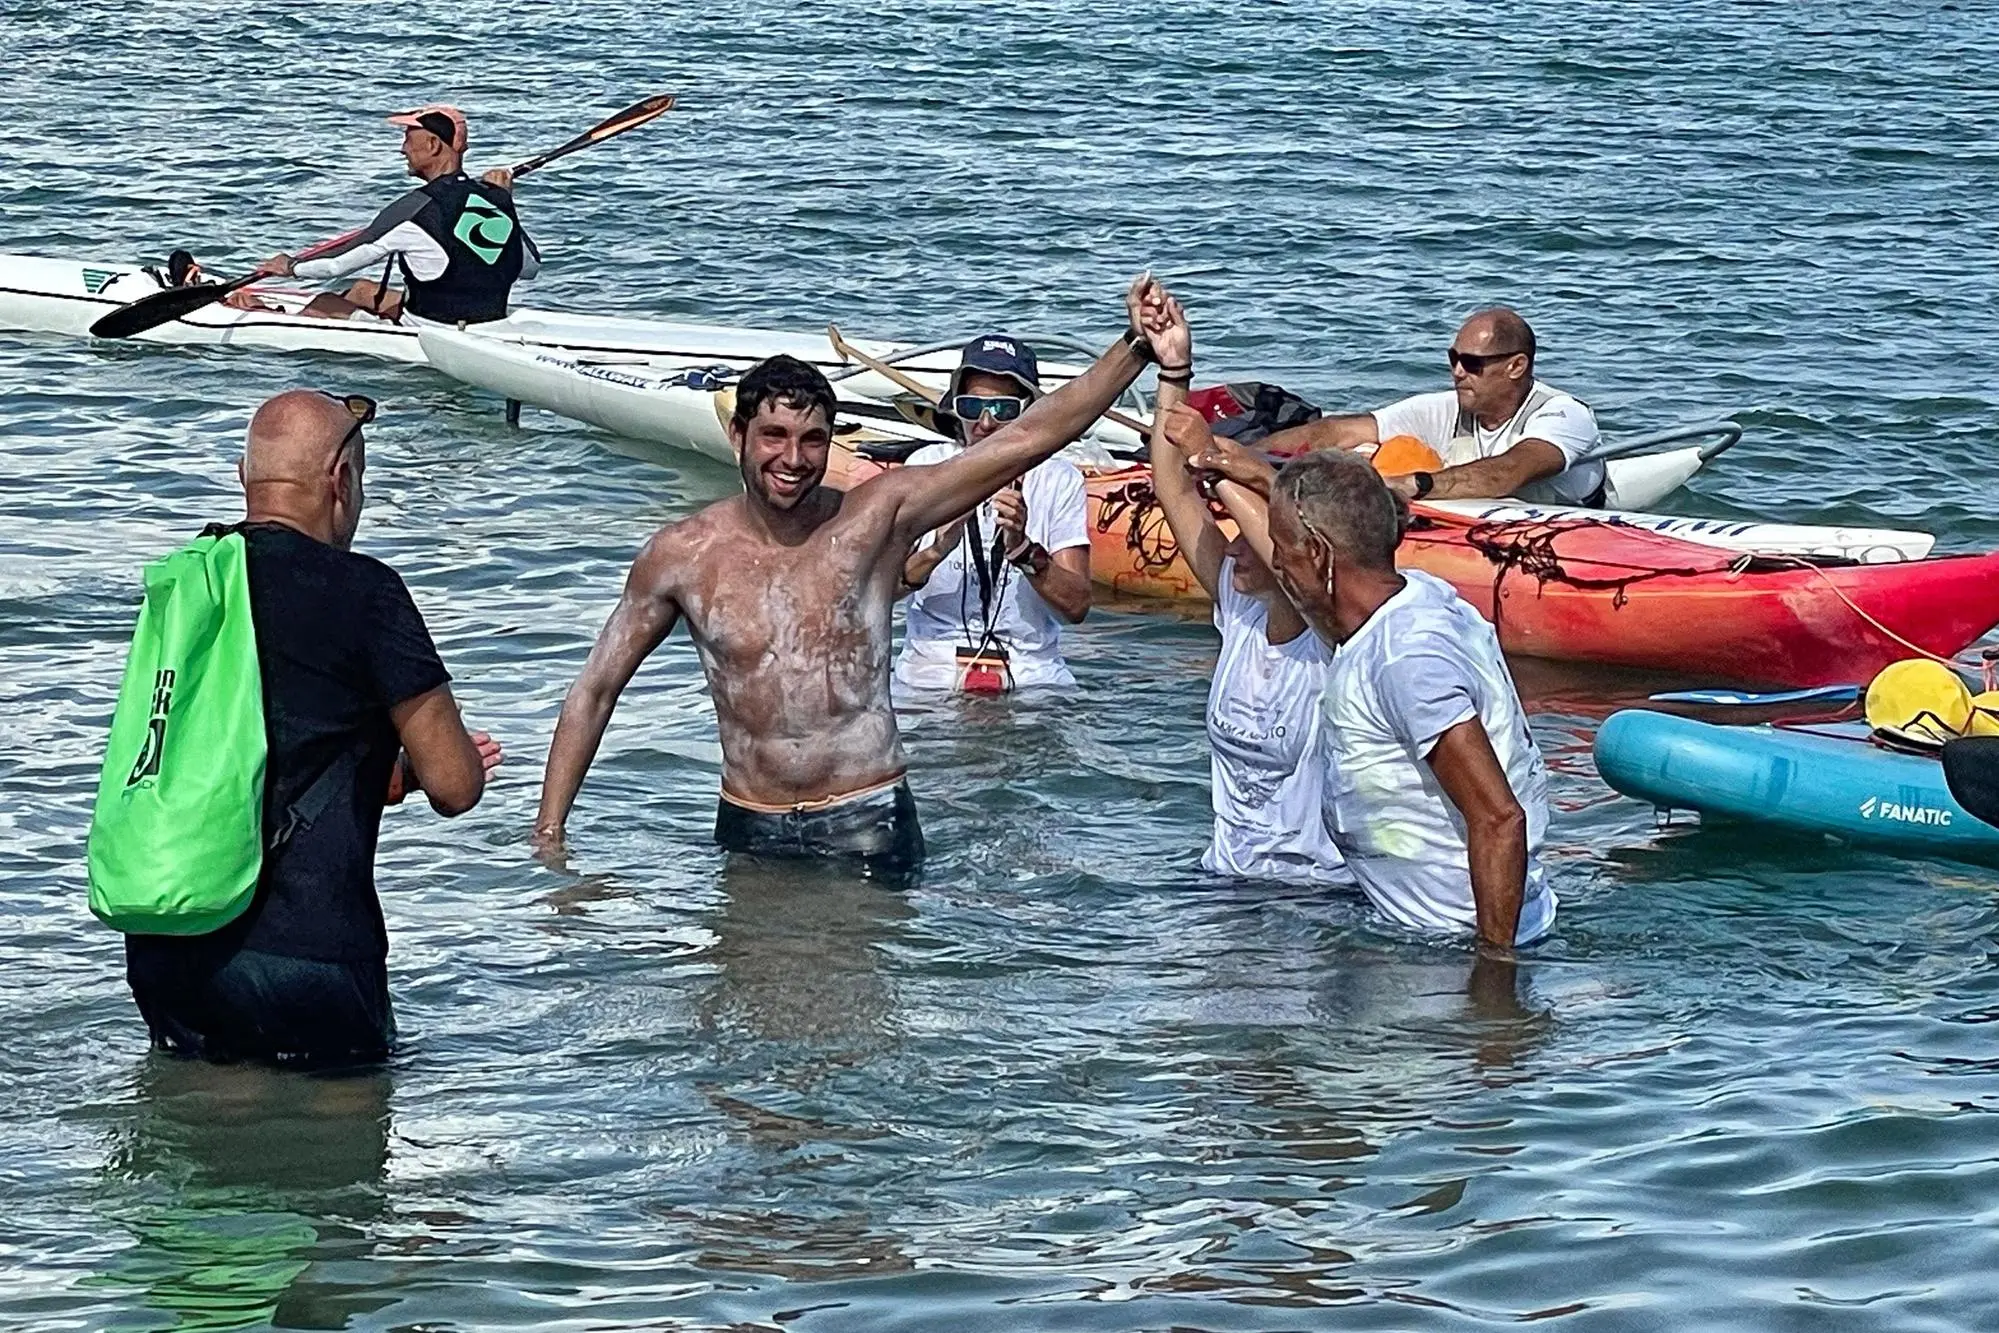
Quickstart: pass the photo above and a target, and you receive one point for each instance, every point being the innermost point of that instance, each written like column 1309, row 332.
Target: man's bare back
column 787, row 591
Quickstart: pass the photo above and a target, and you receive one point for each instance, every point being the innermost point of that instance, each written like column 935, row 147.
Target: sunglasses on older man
column 1474, row 363
column 359, row 406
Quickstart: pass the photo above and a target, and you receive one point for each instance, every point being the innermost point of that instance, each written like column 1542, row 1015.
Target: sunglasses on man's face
column 969, row 407
column 1474, row 363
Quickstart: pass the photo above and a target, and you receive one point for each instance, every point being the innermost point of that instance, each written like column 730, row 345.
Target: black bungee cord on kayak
column 1147, row 536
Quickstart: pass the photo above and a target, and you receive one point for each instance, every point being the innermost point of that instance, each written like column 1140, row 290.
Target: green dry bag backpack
column 177, row 837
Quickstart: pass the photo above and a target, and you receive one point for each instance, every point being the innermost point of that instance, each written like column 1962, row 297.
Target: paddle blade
column 161, row 307
column 1971, row 769
column 1739, row 698
column 633, row 116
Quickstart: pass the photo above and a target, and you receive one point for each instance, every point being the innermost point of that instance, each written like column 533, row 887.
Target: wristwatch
column 1425, row 482
column 1140, row 345
column 1033, row 560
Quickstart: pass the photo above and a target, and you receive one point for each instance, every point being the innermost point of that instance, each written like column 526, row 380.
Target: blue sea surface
column 1066, row 1082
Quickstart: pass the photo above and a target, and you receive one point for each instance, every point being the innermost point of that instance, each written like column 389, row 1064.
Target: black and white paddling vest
column 482, row 239
column 1468, row 445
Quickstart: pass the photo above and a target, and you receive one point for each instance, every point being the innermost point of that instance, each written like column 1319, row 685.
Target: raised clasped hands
column 1158, row 317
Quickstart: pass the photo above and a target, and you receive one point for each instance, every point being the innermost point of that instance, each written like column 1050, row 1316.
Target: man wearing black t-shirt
column 355, row 697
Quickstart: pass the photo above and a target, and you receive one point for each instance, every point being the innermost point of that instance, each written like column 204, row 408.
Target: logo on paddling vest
column 1904, row 814
column 148, row 765
column 483, row 229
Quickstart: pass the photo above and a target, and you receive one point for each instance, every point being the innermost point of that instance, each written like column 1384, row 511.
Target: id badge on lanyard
column 983, row 669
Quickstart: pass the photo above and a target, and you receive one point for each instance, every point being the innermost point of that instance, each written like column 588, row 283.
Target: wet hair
column 785, row 380
column 1344, row 501
column 1510, row 329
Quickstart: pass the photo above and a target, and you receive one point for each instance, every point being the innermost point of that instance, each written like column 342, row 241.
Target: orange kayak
column 1132, row 551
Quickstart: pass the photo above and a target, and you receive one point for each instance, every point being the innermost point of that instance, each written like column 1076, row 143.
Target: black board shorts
column 263, row 1006
column 877, row 833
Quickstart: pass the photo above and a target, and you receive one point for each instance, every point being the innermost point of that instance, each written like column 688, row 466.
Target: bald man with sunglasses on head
column 358, row 711
column 987, row 600
column 1498, row 430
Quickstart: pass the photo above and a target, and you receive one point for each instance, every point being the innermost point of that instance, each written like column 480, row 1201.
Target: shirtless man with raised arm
column 787, row 591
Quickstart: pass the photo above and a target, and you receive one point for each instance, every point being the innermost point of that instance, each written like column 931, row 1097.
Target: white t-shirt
column 1263, row 727
column 1548, row 414
column 1423, row 663
column 946, row 613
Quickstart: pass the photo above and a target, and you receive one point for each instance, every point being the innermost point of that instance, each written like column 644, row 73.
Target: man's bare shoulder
column 878, row 501
column 686, row 541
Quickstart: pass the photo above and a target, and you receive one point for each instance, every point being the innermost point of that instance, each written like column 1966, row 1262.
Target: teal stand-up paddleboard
column 1827, row 778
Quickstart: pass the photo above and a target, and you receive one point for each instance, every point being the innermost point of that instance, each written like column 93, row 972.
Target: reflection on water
column 233, row 1181
column 803, row 991
column 798, row 954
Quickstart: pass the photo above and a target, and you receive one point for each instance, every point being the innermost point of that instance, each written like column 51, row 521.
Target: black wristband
column 1032, row 560
column 1183, row 378
column 1425, row 482
column 1140, row 345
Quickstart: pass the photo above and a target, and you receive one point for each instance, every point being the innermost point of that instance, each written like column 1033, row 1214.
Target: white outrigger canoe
column 67, row 296
column 678, row 406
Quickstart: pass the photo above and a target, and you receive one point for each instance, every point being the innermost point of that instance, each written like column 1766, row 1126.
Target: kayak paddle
column 170, row 303
column 848, row 352
column 633, row 116
column 163, row 307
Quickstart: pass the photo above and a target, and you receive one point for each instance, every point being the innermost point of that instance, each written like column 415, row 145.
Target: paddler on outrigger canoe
column 1498, row 430
column 787, row 591
column 457, row 242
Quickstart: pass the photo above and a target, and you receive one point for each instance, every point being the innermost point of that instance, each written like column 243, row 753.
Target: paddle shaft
column 633, row 116
column 320, row 248
column 849, row 352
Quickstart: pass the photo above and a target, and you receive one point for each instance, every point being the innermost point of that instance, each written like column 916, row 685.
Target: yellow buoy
column 1920, row 702
column 1984, row 714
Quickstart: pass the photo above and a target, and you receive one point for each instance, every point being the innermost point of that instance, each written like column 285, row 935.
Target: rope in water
column 1988, row 671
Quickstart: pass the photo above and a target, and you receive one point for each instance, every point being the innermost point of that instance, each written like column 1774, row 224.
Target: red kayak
column 1584, row 591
